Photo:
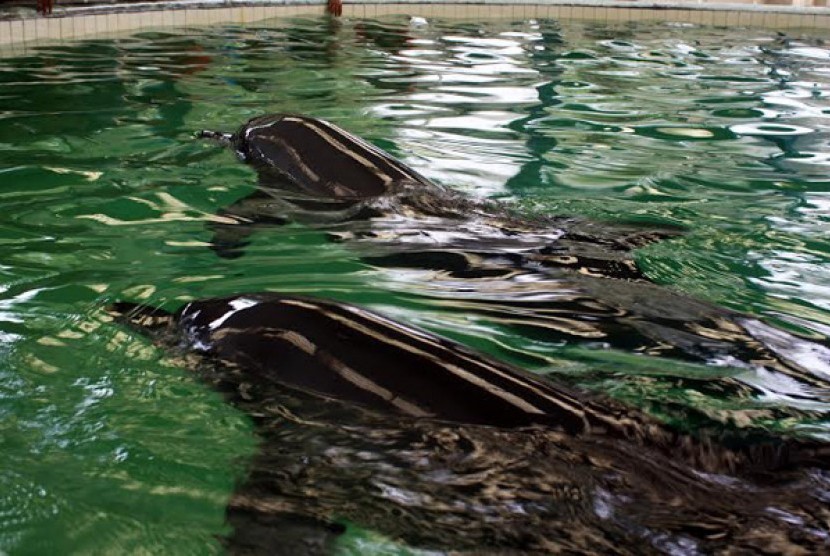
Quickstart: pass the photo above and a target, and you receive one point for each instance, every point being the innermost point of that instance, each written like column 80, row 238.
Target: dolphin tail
column 142, row 317
column 224, row 139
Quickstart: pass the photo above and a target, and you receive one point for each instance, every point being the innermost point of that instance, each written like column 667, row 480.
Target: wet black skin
column 344, row 398
column 267, row 341
column 552, row 278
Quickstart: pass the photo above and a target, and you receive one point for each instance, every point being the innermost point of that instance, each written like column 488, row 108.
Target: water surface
column 110, row 446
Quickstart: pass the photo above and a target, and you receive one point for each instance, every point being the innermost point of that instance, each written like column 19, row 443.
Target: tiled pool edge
column 84, row 21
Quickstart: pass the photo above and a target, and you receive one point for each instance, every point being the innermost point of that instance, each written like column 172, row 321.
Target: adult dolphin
column 370, row 421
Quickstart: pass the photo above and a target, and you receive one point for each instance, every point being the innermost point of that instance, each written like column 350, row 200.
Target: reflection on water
column 723, row 134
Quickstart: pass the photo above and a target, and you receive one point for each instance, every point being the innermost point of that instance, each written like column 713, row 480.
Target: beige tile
column 444, row 11
column 132, row 21
column 51, row 29
column 225, row 15
column 122, row 22
column 75, row 27
column 92, row 25
column 694, row 16
column 81, row 29
column 29, row 31
column 688, row 16
column 809, row 21
column 212, row 16
column 648, row 15
column 420, row 10
column 99, row 23
column 238, row 15
column 756, row 19
column 612, row 15
column 119, row 23
column 733, row 18
column 509, row 13
column 106, row 23
column 719, row 18
column 89, row 25
column 167, row 18
column 153, row 19
column 67, row 25
column 589, row 13
column 663, row 15
column 520, row 12
column 179, row 18
column 272, row 12
column 745, row 19
column 313, row 10
column 40, row 27
column 5, row 32
column 231, row 16
column 822, row 21
column 536, row 11
column 707, row 17
column 16, row 33
column 553, row 12
column 770, row 19
column 789, row 21
column 383, row 9
column 781, row 21
column 577, row 12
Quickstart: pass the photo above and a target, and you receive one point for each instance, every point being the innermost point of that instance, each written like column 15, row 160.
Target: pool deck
column 21, row 25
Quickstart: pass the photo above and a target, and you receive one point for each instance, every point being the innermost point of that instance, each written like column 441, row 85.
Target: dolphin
column 367, row 420
column 561, row 279
column 258, row 342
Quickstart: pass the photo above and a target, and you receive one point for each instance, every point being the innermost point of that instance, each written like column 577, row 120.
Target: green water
column 110, row 447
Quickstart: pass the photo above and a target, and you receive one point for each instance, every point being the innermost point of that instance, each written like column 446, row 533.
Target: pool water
column 109, row 445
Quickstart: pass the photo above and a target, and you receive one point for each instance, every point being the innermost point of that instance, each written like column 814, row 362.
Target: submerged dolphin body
column 367, row 420
column 561, row 279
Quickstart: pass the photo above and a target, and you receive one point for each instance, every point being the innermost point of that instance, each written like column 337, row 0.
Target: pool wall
column 77, row 21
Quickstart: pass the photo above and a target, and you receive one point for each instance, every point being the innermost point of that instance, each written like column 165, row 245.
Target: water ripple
column 106, row 196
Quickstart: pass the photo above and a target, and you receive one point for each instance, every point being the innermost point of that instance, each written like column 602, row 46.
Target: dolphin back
column 319, row 159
